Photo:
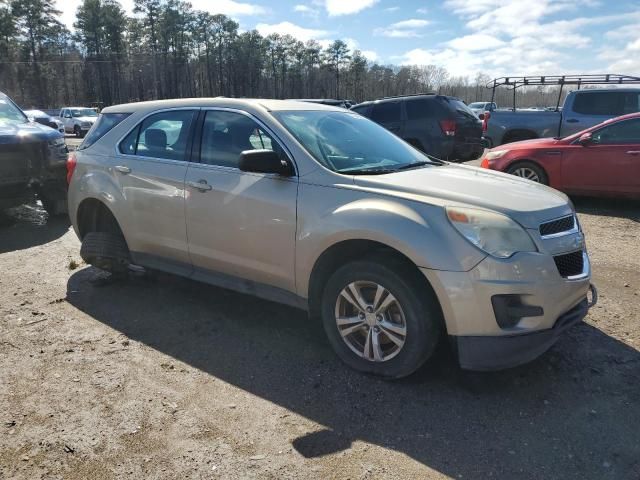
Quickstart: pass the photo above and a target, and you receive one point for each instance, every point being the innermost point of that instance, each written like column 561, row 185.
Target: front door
column 150, row 167
column 238, row 223
column 609, row 164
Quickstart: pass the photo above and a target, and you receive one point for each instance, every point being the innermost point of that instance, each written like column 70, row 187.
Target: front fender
column 421, row 232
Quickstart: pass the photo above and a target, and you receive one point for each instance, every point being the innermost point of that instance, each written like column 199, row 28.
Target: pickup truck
column 582, row 109
column 78, row 120
column 32, row 161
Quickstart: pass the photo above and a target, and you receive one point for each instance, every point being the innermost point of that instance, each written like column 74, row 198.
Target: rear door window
column 105, row 122
column 362, row 110
column 163, row 135
column 386, row 112
column 418, row 109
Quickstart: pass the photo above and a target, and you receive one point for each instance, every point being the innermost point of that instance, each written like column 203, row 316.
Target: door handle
column 573, row 120
column 123, row 169
column 634, row 152
column 201, row 185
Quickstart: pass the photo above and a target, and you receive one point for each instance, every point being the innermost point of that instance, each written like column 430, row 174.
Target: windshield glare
column 83, row 112
column 346, row 142
column 9, row 113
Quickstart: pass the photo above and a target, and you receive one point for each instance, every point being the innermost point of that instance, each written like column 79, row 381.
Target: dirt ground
column 174, row 379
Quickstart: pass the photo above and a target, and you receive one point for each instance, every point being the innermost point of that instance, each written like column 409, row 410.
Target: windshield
column 349, row 143
column 478, row 105
column 83, row 112
column 9, row 112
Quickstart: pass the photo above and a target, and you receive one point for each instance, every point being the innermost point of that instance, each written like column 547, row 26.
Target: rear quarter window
column 105, row 122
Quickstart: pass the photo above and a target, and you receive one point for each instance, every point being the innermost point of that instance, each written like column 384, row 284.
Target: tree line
column 169, row 50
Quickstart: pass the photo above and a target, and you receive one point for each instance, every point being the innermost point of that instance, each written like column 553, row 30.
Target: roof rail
column 513, row 83
column 408, row 95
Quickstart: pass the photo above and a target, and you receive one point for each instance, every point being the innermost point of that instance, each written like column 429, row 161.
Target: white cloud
column 347, row 7
column 306, row 10
column 371, row 55
column 392, row 9
column 404, row 29
column 412, row 23
column 284, row 28
column 475, row 42
column 422, row 11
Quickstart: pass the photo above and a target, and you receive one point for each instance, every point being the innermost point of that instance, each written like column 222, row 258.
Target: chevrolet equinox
column 326, row 210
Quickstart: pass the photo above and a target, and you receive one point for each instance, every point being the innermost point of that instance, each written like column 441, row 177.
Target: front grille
column 560, row 225
column 570, row 264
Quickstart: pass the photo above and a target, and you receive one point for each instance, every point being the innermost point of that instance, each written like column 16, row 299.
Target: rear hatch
column 468, row 125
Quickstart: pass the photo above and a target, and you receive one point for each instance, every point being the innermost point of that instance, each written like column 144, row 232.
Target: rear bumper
column 499, row 352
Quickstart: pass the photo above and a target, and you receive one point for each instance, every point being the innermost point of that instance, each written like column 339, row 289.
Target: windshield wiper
column 367, row 171
column 409, row 166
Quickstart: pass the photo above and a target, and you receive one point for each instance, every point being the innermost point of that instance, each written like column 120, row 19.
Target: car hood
column 534, row 143
column 86, row 119
column 11, row 133
column 526, row 202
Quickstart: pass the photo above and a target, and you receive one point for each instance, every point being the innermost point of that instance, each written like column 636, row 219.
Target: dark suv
column 441, row 126
column 32, row 161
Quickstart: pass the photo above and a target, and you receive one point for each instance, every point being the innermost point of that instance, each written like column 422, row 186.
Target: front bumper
column 483, row 340
column 495, row 353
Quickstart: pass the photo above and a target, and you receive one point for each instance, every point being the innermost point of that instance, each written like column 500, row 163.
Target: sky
column 495, row 37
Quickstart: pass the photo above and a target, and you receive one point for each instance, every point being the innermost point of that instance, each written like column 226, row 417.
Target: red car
column 602, row 161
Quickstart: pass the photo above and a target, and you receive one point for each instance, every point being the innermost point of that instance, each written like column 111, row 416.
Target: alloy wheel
column 527, row 173
column 370, row 321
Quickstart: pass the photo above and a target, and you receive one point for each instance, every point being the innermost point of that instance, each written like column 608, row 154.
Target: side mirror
column 264, row 161
column 585, row 140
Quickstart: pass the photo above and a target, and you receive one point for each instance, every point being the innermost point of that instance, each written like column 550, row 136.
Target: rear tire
column 106, row 250
column 530, row 171
column 414, row 310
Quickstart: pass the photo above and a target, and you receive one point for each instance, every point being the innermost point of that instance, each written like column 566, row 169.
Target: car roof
column 607, row 90
column 221, row 102
column 405, row 97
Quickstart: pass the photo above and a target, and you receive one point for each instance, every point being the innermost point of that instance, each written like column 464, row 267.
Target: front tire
column 379, row 318
column 530, row 171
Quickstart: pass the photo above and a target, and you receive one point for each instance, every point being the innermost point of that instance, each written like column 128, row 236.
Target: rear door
column 610, row 164
column 241, row 224
column 150, row 167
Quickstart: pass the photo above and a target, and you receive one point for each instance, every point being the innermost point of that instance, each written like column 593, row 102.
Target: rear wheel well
column 518, row 134
column 350, row 250
column 95, row 216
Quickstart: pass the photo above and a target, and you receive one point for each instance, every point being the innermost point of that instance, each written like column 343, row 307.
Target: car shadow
column 608, row 207
column 29, row 226
column 571, row 414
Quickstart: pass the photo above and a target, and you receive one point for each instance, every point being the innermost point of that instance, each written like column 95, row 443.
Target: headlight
column 491, row 232
column 495, row 154
column 57, row 142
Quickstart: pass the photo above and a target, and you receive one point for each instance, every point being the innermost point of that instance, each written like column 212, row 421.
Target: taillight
column 485, row 122
column 71, row 166
column 484, row 163
column 448, row 127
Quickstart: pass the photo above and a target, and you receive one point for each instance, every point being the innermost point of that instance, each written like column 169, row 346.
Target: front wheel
column 379, row 318
column 530, row 171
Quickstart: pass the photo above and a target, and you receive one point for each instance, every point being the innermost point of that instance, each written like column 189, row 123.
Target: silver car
column 323, row 209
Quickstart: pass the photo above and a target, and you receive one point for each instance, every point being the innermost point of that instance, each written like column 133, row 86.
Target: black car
column 44, row 119
column 32, row 161
column 439, row 125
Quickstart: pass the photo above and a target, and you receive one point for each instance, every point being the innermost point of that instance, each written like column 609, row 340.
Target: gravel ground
column 174, row 379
